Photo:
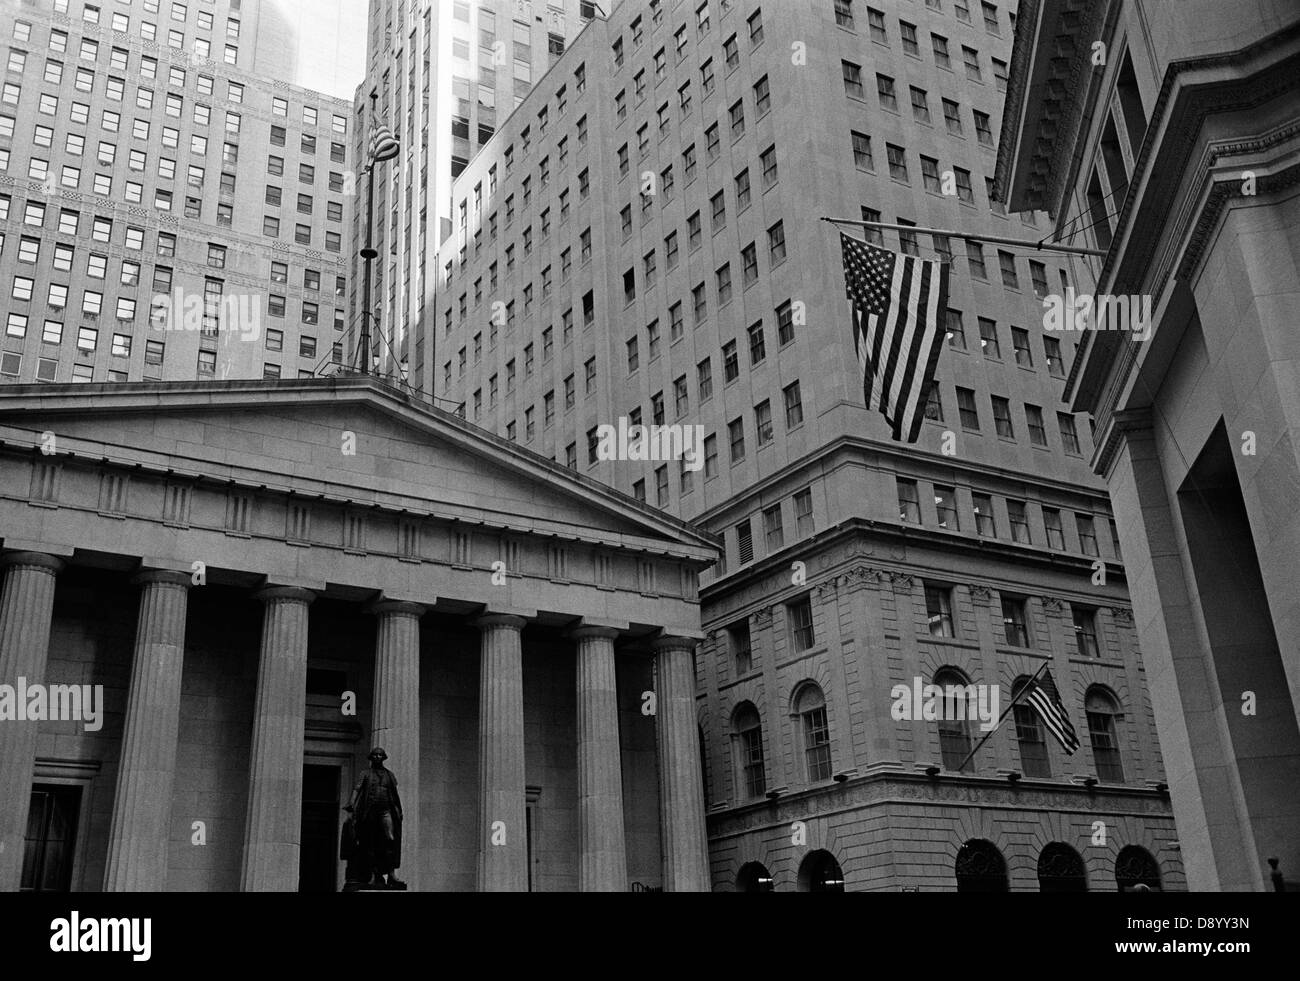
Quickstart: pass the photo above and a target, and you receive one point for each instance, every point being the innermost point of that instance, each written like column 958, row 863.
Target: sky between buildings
column 331, row 43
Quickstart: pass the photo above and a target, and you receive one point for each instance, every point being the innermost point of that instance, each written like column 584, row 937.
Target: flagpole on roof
column 1042, row 245
column 1014, row 700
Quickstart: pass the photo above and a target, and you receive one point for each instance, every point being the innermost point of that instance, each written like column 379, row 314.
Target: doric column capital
column 32, row 560
column 674, row 642
column 402, row 608
column 161, row 577
column 508, row 621
column 284, row 594
column 591, row 631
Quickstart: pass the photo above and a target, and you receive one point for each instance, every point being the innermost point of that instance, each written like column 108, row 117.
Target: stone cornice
column 1101, row 370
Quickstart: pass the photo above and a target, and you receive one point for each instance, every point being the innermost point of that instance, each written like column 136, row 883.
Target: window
column 704, row 379
column 736, row 439
column 920, row 105
column 799, row 616
column 793, row 405
column 909, row 502
column 1019, row 522
column 1030, row 735
column 930, row 174
column 885, row 92
column 1013, row 622
column 1034, row 421
column 810, row 707
column 1020, row 341
column 938, row 610
column 1101, row 711
column 1002, row 418
column 1087, row 534
column 897, row 162
column 908, row 33
column 945, row 505
column 934, row 405
column 844, row 13
column 971, row 57
column 985, row 523
column 853, row 80
column 1052, row 523
column 1052, row 351
column 954, row 721
column 763, row 422
column 1007, row 262
column 966, row 410
column 776, row 243
column 748, row 740
column 1069, row 434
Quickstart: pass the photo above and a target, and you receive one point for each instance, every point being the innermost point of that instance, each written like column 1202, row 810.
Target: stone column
column 140, row 832
column 602, row 860
column 26, row 609
column 503, row 853
column 396, row 722
column 681, row 789
column 273, row 827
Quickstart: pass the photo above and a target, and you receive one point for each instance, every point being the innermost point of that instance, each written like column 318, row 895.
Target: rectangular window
column 1019, row 522
column 938, row 610
column 1014, row 626
column 1002, row 418
column 966, row 409
column 1069, row 434
column 800, row 617
column 909, row 502
column 945, row 506
column 1085, row 631
column 1052, row 523
column 985, row 523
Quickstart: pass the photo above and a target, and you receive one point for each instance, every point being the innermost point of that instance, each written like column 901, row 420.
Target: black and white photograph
column 648, row 446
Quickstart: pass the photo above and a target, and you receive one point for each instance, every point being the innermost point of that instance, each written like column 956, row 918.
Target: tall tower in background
column 443, row 75
column 170, row 206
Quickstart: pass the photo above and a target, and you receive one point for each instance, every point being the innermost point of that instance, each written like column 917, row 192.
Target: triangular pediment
column 345, row 439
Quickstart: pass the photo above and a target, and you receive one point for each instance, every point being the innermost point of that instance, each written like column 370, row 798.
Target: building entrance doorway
column 318, row 861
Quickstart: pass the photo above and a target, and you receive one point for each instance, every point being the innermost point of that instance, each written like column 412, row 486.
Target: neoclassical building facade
column 269, row 577
column 1167, row 136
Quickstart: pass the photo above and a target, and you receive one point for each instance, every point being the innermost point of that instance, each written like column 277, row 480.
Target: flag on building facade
column 1042, row 695
column 898, row 301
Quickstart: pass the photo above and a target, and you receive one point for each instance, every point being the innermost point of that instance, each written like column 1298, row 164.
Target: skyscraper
column 442, row 76
column 168, row 208
column 640, row 241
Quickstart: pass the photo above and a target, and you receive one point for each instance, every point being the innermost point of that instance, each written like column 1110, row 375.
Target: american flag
column 1042, row 695
column 897, row 302
column 383, row 144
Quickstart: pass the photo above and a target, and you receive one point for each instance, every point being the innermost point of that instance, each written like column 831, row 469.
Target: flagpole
column 1041, row 246
column 1023, row 689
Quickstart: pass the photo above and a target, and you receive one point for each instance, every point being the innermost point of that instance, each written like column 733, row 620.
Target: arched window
column 954, row 724
column 981, row 868
column 1031, row 735
column 747, row 739
column 819, row 872
column 1136, row 870
column 754, row 877
column 1102, row 711
column 810, row 716
column 1060, row 869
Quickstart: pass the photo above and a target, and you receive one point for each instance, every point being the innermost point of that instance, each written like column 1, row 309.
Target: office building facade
column 442, row 76
column 168, row 210
column 640, row 241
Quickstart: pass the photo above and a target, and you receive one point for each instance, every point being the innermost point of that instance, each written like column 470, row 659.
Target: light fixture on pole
column 384, row 145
